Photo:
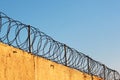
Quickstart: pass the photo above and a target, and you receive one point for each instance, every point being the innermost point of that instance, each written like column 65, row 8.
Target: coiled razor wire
column 32, row 40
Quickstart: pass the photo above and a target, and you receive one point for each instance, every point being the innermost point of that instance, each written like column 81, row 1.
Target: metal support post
column 89, row 70
column 104, row 68
column 29, row 41
column 88, row 63
column 65, row 55
column 114, row 74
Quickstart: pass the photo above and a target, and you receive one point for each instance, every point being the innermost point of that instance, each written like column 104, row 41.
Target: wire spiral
column 31, row 39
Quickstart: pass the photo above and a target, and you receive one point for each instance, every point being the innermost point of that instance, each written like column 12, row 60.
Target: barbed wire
column 31, row 39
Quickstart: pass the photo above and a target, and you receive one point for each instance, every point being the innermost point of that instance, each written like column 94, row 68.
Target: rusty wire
column 32, row 40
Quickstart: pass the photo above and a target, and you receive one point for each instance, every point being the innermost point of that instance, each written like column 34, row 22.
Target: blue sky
column 90, row 26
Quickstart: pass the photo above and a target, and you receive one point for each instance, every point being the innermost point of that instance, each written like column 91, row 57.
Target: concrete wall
column 16, row 64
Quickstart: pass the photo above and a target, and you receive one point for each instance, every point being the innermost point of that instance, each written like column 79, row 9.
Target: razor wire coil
column 31, row 39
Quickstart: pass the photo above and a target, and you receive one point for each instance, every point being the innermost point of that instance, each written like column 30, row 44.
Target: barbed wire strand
column 31, row 39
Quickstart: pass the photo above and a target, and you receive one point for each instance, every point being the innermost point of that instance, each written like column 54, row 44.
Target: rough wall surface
column 16, row 64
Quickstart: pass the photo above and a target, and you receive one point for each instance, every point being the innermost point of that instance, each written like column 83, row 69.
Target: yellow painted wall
column 16, row 64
